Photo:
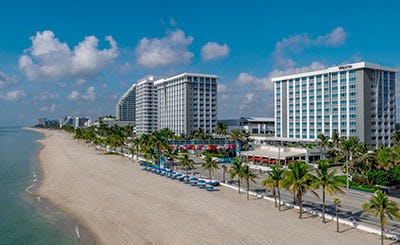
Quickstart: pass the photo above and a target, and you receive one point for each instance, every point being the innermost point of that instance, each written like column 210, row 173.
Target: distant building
column 260, row 128
column 187, row 102
column 146, row 106
column 126, row 106
column 42, row 121
column 80, row 121
column 45, row 122
column 354, row 100
column 67, row 121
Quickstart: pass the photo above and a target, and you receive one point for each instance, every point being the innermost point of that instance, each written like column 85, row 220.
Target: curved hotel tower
column 126, row 106
column 355, row 100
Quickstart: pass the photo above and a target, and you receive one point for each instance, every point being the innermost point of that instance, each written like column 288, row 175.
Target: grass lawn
column 342, row 182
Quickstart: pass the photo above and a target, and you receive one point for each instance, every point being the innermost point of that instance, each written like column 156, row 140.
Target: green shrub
column 396, row 174
column 380, row 177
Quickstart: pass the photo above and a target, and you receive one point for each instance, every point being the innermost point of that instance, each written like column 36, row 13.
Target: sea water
column 23, row 218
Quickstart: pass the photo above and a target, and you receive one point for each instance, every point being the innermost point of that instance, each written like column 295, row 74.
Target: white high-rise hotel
column 187, row 102
column 146, row 106
column 354, row 100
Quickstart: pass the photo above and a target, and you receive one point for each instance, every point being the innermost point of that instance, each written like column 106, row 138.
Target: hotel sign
column 345, row 67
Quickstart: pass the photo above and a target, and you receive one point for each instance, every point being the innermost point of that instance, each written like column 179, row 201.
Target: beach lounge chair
column 202, row 185
column 211, row 188
column 176, row 175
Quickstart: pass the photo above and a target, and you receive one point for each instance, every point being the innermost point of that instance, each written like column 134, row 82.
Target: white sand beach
column 122, row 204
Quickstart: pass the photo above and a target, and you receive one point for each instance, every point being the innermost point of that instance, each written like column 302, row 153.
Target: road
column 351, row 201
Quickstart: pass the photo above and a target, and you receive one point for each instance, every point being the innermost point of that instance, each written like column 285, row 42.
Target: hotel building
column 146, row 106
column 187, row 102
column 125, row 109
column 355, row 100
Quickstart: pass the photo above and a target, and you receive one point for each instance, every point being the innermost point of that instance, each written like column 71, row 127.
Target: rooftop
column 339, row 68
column 166, row 79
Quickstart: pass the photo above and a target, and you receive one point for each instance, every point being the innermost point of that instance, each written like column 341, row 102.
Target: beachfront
column 122, row 204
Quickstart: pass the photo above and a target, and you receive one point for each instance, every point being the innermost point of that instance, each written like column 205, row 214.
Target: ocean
column 23, row 219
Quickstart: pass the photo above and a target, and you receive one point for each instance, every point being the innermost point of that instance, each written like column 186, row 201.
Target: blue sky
column 73, row 58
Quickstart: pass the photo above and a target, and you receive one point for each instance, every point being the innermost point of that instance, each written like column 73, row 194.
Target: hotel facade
column 146, row 106
column 355, row 100
column 187, row 102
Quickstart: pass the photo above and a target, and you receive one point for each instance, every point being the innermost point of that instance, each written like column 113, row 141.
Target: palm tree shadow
column 348, row 229
column 286, row 208
column 308, row 216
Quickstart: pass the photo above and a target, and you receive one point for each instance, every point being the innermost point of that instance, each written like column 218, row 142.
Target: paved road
column 351, row 201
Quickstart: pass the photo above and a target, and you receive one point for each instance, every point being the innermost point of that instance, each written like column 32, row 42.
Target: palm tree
column 210, row 165
column 248, row 175
column 349, row 148
column 274, row 180
column 170, row 154
column 381, row 206
column 221, row 128
column 336, row 202
column 236, row 169
column 335, row 140
column 186, row 163
column 326, row 179
column 395, row 138
column 245, row 139
column 323, row 143
column 236, row 135
column 298, row 180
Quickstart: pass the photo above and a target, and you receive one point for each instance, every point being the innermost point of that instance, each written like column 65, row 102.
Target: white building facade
column 187, row 102
column 355, row 100
column 126, row 106
column 146, row 106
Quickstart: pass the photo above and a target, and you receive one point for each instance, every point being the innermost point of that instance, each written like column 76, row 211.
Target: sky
column 78, row 57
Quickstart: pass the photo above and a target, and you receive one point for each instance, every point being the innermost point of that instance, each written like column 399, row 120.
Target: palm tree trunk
column 382, row 228
column 239, row 185
column 294, row 198
column 323, row 204
column 300, row 204
column 276, row 205
column 279, row 199
column 337, row 219
column 210, row 175
column 248, row 188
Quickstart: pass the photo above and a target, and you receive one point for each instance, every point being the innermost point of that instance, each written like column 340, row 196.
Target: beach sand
column 122, row 204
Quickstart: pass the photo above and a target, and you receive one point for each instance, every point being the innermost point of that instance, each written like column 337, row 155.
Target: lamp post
column 223, row 173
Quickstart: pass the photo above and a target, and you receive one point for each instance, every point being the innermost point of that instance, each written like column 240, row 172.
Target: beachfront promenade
column 119, row 203
column 350, row 201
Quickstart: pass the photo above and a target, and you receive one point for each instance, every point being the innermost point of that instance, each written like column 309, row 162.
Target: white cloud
column 13, row 95
column 44, row 95
column 168, row 50
column 89, row 96
column 80, row 81
column 50, row 59
column 45, row 108
column 249, row 95
column 74, row 95
column 297, row 43
column 7, row 80
column 336, row 37
column 212, row 50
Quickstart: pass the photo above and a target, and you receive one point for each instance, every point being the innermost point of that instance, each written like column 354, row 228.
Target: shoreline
column 67, row 222
column 122, row 204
